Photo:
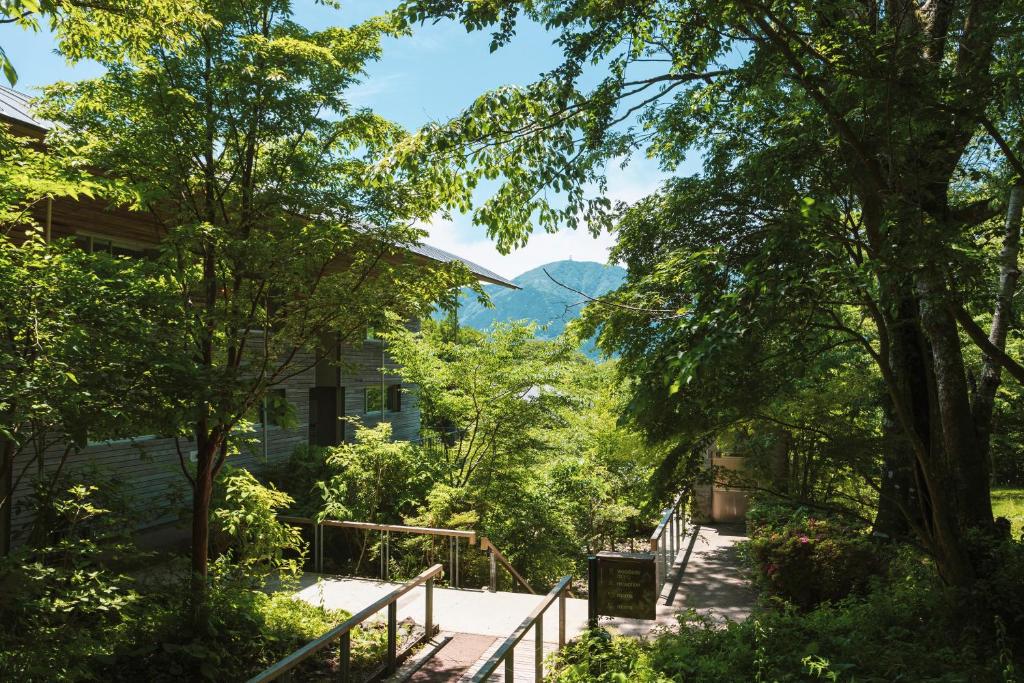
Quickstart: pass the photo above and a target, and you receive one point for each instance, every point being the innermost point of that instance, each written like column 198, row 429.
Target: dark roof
column 446, row 257
column 17, row 106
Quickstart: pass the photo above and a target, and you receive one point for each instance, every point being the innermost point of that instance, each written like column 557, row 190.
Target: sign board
column 624, row 585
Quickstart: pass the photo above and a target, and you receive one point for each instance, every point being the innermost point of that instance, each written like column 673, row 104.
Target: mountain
column 541, row 300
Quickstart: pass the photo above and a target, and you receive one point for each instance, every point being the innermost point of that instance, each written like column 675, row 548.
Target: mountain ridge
column 543, row 301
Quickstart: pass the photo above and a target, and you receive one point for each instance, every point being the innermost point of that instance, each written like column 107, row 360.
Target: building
column 352, row 381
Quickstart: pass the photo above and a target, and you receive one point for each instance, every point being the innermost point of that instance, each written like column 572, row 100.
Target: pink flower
column 804, row 539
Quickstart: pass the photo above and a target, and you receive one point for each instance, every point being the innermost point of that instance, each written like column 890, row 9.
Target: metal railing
column 668, row 537
column 454, row 536
column 343, row 632
column 506, row 651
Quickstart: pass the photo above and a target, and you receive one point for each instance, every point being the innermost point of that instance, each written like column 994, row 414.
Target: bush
column 299, row 476
column 909, row 629
column 61, row 607
column 597, row 656
column 805, row 558
column 247, row 536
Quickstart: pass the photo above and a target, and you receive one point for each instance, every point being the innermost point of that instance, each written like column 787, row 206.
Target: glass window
column 374, row 400
column 395, row 398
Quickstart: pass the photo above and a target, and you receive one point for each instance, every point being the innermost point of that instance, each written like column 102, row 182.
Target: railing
column 343, row 632
column 454, row 536
column 668, row 536
column 506, row 651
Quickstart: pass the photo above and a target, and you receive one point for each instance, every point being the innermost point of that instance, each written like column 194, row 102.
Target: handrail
column 666, row 519
column 343, row 630
column 486, row 545
column 453, row 535
column 397, row 528
column 506, row 651
column 673, row 523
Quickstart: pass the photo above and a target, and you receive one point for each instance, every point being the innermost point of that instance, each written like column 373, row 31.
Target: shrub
column 299, row 476
column 251, row 541
column 806, row 559
column 61, row 608
column 597, row 656
column 908, row 629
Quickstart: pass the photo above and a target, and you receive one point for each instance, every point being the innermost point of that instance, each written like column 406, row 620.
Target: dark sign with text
column 626, row 585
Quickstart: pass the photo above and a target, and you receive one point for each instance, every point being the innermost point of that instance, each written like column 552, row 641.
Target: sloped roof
column 443, row 256
column 16, row 106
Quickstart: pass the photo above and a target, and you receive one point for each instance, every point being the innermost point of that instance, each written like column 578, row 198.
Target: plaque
column 626, row 585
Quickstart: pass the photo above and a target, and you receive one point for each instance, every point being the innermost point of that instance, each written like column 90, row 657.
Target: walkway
column 707, row 577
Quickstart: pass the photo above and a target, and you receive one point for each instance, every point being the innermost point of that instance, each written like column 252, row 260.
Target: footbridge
column 441, row 629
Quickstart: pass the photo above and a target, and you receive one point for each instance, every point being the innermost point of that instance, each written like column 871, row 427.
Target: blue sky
column 430, row 76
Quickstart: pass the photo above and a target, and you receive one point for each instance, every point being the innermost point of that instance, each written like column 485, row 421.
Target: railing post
column 538, row 649
column 494, row 570
column 392, row 637
column 429, row 616
column 456, row 539
column 345, row 658
column 381, row 553
column 561, row 620
column 510, row 667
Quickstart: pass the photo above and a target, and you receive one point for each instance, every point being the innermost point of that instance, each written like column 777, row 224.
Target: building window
column 274, row 407
column 395, row 398
column 373, row 400
column 94, row 245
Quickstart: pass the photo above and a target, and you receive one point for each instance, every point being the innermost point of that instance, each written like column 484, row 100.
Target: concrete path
column 706, row 577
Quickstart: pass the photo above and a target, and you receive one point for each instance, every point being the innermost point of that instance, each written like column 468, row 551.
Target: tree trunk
column 988, row 383
column 963, row 460
column 6, row 495
column 201, row 496
column 898, row 505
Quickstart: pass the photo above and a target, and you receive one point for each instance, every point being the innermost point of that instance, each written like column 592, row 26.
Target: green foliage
column 806, row 557
column 1009, row 503
column 300, row 476
column 61, row 606
column 105, row 32
column 854, row 160
column 275, row 234
column 245, row 528
column 905, row 629
column 597, row 656
column 374, row 479
column 74, row 367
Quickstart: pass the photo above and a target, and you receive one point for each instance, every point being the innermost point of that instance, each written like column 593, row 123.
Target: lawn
column 1009, row 503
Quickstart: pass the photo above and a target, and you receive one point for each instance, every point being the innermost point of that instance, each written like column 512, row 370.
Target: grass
column 1009, row 503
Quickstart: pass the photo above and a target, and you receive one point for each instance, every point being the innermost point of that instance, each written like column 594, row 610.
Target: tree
column 482, row 399
column 277, row 236
column 107, row 31
column 849, row 154
column 80, row 356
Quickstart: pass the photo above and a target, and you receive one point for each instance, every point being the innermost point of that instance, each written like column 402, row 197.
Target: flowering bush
column 806, row 558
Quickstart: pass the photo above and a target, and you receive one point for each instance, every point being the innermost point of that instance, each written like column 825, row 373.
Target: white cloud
column 460, row 237
column 542, row 248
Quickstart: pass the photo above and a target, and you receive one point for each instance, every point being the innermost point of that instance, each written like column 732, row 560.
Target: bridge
column 465, row 634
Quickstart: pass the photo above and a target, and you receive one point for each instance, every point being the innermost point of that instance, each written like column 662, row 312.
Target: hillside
column 541, row 300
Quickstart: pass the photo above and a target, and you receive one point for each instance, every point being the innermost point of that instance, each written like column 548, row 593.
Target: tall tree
column 276, row 234
column 110, row 30
column 845, row 154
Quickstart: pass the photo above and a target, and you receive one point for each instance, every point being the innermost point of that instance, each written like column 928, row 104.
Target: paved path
column 708, row 579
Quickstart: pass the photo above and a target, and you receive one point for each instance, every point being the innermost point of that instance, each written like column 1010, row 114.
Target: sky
column 429, row 76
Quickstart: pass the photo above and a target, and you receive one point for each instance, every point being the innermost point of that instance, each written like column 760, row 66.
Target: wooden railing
column 454, row 536
column 343, row 632
column 506, row 651
column 668, row 536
